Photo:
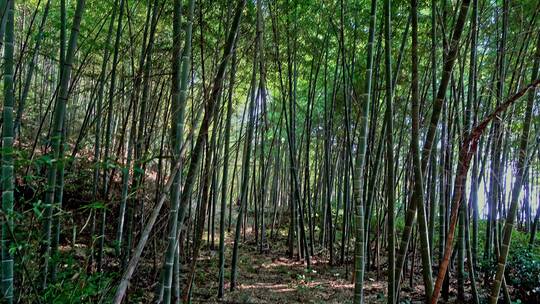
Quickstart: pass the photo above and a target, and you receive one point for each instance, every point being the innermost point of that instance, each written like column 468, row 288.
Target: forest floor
column 272, row 277
column 263, row 277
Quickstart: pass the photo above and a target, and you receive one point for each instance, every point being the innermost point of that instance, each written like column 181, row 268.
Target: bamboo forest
column 270, row 151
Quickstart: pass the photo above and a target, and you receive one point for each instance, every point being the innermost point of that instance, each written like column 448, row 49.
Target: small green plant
column 523, row 272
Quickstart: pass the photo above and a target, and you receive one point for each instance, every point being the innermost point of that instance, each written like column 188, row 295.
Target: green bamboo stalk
column 464, row 217
column 471, row 96
column 140, row 153
column 389, row 153
column 97, row 143
column 297, row 219
column 433, row 59
column 118, row 243
column 4, row 4
column 246, row 158
column 165, row 284
column 470, row 263
column 181, row 67
column 7, row 285
column 49, row 217
column 201, row 214
column 225, row 174
column 263, row 129
column 432, row 202
column 360, row 163
column 418, row 193
column 105, row 160
column 58, row 198
column 56, row 137
column 124, row 198
column 128, row 199
column 112, row 92
column 461, row 252
column 496, row 173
